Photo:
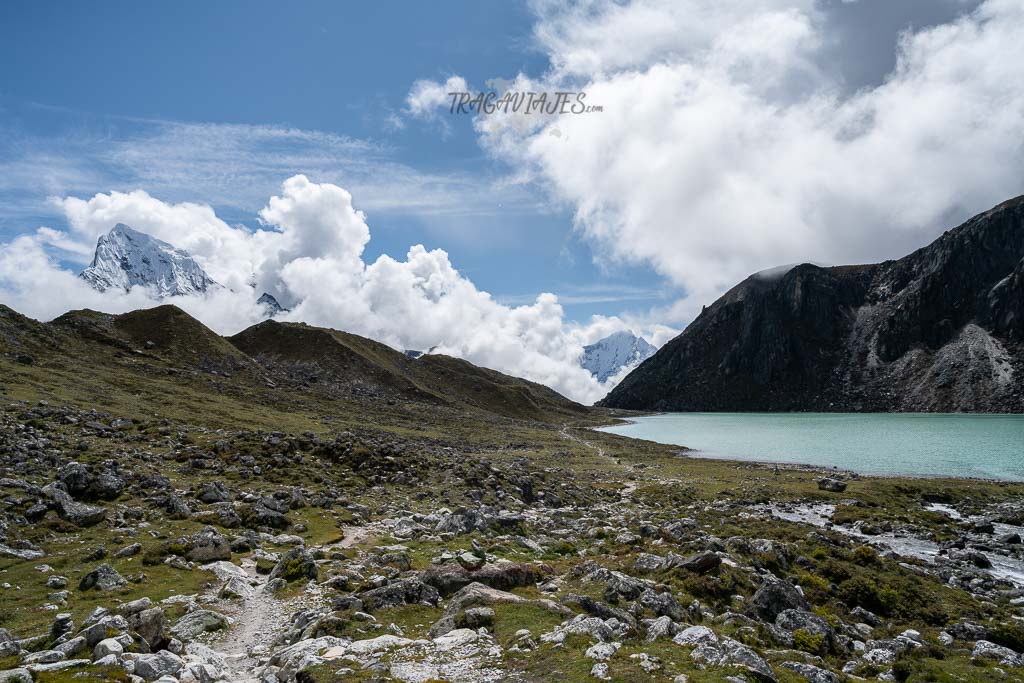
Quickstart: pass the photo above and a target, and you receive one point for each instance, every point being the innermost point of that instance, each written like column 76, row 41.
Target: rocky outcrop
column 941, row 330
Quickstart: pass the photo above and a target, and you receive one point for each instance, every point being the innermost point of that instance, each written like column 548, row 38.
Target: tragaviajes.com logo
column 521, row 102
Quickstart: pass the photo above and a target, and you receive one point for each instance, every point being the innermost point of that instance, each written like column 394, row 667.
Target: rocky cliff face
column 939, row 330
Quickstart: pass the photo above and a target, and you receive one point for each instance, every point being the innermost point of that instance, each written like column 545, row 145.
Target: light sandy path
column 260, row 618
column 629, row 488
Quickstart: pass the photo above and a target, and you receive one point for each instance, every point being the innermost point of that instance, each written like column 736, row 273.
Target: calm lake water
column 986, row 446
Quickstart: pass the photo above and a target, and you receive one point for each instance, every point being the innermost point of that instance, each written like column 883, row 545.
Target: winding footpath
column 628, row 489
column 260, row 617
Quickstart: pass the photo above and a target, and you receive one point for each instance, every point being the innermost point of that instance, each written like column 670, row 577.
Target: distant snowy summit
column 127, row 258
column 270, row 304
column 606, row 357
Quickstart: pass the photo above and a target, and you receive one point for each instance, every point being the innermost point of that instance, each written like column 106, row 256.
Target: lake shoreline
column 642, row 427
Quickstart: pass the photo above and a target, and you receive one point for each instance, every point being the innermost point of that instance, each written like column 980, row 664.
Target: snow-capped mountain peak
column 270, row 304
column 606, row 357
column 127, row 258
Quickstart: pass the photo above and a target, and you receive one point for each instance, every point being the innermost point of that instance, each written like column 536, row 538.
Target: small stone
column 129, row 550
column 833, row 485
column 43, row 657
column 470, row 561
column 701, row 563
column 58, row 582
column 602, row 651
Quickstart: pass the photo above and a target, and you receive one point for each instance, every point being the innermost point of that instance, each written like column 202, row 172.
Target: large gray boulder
column 20, row 553
column 106, row 486
column 400, row 592
column 149, row 624
column 72, row 511
column 984, row 649
column 712, row 650
column 701, row 563
column 153, row 666
column 775, row 596
column 76, row 478
column 213, row 492
column 295, row 564
column 812, row 673
column 833, row 485
column 792, row 620
column 448, row 579
column 103, row 578
column 107, row 646
column 208, row 545
column 8, row 645
column 197, row 622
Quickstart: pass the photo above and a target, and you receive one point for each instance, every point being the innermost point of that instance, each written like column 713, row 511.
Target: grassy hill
column 166, row 362
column 340, row 360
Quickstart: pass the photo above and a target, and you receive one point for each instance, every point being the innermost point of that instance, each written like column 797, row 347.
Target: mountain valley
column 301, row 504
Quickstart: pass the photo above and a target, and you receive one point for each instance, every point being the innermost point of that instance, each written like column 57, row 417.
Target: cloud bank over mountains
column 308, row 253
column 730, row 140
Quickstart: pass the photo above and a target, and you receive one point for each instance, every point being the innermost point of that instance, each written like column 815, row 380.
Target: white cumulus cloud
column 426, row 96
column 727, row 143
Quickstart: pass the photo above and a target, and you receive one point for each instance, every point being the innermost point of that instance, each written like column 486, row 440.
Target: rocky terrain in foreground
column 940, row 330
column 172, row 515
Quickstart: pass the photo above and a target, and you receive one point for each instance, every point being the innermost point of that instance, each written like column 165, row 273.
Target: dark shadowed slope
column 323, row 356
column 941, row 330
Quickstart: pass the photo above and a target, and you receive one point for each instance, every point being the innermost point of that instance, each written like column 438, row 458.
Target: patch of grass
column 109, row 674
column 510, row 618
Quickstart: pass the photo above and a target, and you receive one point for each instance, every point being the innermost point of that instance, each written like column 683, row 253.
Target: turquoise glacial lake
column 917, row 444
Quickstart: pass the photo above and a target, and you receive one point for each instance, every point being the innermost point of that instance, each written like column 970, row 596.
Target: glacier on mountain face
column 126, row 258
column 606, row 357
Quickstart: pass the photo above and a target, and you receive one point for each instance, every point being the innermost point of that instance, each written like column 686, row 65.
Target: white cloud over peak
column 728, row 143
column 308, row 253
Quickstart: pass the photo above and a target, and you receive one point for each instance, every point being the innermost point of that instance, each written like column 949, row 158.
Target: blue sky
column 81, row 80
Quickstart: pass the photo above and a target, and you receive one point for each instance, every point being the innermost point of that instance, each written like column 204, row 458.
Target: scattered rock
column 103, row 578
column 833, row 485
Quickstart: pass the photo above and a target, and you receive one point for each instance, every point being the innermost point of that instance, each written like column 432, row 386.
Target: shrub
column 816, row 589
column 902, row 670
column 563, row 548
column 807, row 641
column 834, row 571
column 859, row 591
column 1008, row 635
column 865, row 556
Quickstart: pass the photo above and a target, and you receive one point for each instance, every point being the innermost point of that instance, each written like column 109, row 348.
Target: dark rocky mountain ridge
column 940, row 330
